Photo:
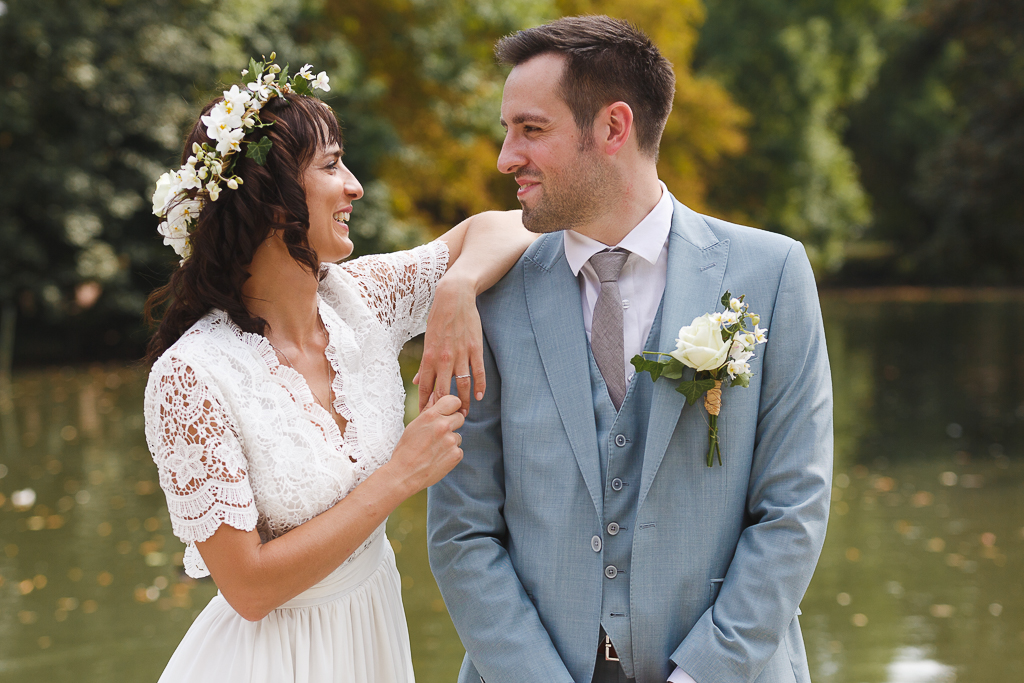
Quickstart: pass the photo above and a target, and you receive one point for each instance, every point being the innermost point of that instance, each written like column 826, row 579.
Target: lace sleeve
column 203, row 470
column 399, row 287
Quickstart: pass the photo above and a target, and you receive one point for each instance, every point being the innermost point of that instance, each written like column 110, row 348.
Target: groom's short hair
column 606, row 60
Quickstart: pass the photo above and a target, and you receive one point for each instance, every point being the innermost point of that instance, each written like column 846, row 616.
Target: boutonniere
column 718, row 346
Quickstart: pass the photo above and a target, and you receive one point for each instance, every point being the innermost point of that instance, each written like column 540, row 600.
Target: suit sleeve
column 787, row 497
column 499, row 626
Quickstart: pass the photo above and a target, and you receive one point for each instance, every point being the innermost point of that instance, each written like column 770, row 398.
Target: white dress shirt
column 641, row 285
column 641, row 281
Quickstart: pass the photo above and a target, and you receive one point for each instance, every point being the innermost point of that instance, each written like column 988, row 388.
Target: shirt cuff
column 680, row 676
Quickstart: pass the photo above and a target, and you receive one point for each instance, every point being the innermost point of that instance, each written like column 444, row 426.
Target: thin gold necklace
column 329, row 407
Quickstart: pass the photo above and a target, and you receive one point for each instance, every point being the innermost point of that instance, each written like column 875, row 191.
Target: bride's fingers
column 426, row 385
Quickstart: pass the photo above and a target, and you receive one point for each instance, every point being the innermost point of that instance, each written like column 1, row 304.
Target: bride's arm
column 481, row 250
column 256, row 578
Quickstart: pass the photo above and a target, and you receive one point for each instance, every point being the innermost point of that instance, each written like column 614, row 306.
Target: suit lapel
column 696, row 269
column 553, row 301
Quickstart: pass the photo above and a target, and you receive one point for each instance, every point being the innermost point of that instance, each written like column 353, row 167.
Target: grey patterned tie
column 606, row 330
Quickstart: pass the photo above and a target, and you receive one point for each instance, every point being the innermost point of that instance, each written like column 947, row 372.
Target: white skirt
column 348, row 628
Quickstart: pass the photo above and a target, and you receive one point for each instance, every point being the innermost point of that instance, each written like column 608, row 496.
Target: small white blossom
column 304, row 72
column 260, row 91
column 245, row 72
column 268, row 78
column 187, row 178
column 760, row 335
column 232, row 183
column 213, row 189
column 231, row 141
column 322, row 82
column 715, row 318
column 729, row 318
column 739, row 352
column 736, row 305
column 235, row 101
column 736, row 367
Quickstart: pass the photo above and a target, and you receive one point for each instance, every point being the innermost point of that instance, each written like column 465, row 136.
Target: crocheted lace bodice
column 238, row 438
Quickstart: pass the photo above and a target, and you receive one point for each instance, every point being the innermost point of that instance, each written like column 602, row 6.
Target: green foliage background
column 887, row 135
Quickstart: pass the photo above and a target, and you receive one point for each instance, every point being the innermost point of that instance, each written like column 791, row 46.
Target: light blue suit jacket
column 721, row 556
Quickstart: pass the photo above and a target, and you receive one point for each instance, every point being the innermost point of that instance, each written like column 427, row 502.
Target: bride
column 274, row 408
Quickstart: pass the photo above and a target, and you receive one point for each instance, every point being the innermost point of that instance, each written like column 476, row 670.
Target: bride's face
column 330, row 190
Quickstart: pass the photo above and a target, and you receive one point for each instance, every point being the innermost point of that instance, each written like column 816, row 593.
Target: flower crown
column 210, row 167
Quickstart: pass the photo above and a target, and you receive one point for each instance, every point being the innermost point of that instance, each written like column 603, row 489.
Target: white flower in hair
column 235, row 101
column 321, row 82
column 210, row 168
column 187, row 178
column 261, row 92
column 165, row 189
column 230, row 142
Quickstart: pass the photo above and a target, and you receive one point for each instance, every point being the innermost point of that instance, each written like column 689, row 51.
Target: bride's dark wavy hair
column 229, row 230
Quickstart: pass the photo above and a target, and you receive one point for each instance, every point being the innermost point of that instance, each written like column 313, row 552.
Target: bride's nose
column 353, row 189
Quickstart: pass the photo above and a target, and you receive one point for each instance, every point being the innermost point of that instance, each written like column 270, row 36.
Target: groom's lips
column 525, row 186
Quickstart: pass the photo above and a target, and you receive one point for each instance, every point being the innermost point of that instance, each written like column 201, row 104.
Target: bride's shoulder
column 210, row 337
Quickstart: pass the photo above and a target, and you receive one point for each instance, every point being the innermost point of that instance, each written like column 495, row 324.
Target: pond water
column 920, row 580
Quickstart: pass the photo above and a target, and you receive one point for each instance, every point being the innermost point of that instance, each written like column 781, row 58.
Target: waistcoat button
column 595, row 543
column 616, row 484
column 620, row 440
column 613, row 528
column 610, row 571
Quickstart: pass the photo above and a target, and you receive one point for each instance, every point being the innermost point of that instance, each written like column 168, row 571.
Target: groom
column 583, row 537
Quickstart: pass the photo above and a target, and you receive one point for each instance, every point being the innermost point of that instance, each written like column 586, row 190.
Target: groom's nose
column 510, row 159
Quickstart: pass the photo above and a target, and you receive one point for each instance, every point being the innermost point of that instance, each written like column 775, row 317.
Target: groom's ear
column 615, row 125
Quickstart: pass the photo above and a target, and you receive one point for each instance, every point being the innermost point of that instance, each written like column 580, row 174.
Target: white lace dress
column 239, row 440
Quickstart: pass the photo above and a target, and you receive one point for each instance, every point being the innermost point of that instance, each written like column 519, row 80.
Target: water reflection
column 919, row 581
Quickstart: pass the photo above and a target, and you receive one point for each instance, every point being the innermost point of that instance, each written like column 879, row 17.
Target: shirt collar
column 646, row 240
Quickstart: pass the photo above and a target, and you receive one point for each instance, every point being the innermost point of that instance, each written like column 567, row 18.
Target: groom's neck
column 632, row 199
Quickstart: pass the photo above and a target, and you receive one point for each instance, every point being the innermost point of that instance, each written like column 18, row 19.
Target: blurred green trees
column 885, row 134
column 940, row 143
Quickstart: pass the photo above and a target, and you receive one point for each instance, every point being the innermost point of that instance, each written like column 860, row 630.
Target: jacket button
column 595, row 543
column 620, row 440
column 616, row 484
column 610, row 571
column 613, row 528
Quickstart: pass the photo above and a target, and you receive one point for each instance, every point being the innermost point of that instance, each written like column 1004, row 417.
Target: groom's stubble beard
column 581, row 192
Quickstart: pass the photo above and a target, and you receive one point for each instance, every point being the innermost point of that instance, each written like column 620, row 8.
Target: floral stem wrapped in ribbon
column 718, row 346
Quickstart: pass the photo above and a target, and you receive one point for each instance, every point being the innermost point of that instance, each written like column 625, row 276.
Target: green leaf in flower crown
column 726, row 297
column 258, row 151
column 741, row 380
column 695, row 389
column 652, row 366
column 301, row 86
column 254, row 69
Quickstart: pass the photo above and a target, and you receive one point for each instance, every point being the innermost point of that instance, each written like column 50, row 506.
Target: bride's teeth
column 341, row 216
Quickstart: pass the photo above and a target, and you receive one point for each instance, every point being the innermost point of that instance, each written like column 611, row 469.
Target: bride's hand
column 453, row 345
column 429, row 447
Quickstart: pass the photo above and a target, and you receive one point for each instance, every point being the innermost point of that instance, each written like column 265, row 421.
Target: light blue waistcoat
column 621, row 439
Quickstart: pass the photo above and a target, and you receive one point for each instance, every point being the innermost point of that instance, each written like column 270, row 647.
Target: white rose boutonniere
column 718, row 346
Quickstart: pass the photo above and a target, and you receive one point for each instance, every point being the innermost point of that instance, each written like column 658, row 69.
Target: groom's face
column 562, row 176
